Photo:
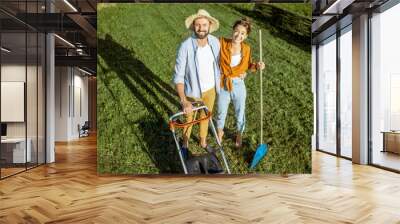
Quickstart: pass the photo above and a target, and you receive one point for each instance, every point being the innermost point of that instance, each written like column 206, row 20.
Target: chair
column 84, row 130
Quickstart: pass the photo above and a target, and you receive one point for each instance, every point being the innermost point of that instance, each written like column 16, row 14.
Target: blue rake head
column 261, row 151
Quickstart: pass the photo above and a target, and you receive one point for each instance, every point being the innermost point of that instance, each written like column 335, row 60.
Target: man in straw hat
column 196, row 73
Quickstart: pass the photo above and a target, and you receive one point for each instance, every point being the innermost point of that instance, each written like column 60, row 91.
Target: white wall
column 79, row 117
column 13, row 72
column 62, row 81
column 70, row 83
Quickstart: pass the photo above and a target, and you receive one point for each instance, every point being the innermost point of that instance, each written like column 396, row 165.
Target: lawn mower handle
column 200, row 107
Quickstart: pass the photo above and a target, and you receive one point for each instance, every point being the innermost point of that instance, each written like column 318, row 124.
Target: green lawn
column 137, row 46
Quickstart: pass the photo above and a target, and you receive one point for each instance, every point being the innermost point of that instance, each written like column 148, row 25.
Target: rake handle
column 261, row 93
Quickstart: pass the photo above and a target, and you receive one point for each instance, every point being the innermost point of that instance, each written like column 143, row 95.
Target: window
column 327, row 95
column 22, row 66
column 346, row 92
column 385, row 88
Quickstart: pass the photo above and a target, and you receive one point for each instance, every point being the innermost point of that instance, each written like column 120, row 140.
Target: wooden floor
column 70, row 191
column 10, row 171
column 387, row 159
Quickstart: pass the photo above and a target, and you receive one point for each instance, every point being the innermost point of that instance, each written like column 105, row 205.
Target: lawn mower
column 207, row 163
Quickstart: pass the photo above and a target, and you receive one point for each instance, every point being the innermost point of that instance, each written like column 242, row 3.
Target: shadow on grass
column 153, row 93
column 242, row 154
column 283, row 24
column 245, row 152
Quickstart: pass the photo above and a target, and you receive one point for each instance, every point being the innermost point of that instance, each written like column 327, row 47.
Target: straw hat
column 214, row 24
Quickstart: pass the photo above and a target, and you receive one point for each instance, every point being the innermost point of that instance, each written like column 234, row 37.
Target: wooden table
column 391, row 141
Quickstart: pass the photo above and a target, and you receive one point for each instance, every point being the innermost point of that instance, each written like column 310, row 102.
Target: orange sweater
column 228, row 72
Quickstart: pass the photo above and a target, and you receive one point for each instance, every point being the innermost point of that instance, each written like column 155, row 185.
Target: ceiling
column 74, row 22
column 332, row 15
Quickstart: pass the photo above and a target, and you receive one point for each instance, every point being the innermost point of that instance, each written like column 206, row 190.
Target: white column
column 314, row 91
column 360, row 90
column 50, row 94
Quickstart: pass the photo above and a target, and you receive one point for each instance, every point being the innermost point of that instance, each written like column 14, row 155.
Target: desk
column 16, row 147
column 391, row 141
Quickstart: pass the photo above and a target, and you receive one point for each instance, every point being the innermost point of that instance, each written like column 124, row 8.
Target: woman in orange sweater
column 235, row 60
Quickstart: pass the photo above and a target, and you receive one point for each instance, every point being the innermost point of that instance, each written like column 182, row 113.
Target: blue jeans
column 238, row 97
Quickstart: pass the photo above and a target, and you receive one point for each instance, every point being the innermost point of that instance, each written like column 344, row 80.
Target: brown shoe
column 238, row 143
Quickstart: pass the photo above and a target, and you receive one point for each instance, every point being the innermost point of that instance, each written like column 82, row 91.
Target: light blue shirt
column 186, row 67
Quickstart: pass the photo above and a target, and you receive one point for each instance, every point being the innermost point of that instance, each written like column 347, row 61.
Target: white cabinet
column 18, row 149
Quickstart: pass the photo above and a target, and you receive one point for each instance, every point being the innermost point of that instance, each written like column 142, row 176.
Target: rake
column 262, row 148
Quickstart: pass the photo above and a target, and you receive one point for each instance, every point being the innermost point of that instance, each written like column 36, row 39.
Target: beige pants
column 208, row 99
